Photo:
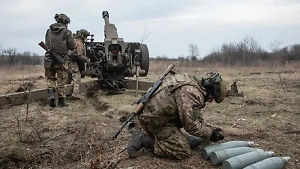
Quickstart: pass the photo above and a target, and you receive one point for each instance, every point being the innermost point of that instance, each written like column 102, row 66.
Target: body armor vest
column 56, row 42
column 162, row 108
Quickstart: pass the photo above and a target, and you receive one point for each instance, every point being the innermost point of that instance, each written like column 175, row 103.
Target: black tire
column 144, row 59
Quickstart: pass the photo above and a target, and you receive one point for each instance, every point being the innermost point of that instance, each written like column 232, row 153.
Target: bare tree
column 11, row 53
column 294, row 52
column 26, row 53
column 145, row 35
column 275, row 45
column 181, row 58
column 194, row 51
column 248, row 49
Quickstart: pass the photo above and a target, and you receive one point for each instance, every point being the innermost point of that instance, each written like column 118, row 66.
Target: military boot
column 61, row 102
column 194, row 141
column 76, row 94
column 138, row 141
column 51, row 97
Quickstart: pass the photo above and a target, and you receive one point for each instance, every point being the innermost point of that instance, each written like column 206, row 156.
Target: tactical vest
column 56, row 42
column 162, row 107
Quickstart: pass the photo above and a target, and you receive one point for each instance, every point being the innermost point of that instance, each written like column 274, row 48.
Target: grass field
column 37, row 136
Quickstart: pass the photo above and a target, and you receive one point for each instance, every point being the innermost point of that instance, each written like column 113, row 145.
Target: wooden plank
column 143, row 86
column 89, row 86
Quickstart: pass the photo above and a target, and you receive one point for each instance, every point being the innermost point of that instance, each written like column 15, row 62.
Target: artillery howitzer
column 113, row 60
column 110, row 62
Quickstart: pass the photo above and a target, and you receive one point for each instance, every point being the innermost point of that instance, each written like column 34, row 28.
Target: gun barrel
column 43, row 45
column 105, row 16
column 110, row 30
column 170, row 67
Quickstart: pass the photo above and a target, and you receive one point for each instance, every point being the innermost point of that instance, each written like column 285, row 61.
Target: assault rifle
column 144, row 99
column 60, row 60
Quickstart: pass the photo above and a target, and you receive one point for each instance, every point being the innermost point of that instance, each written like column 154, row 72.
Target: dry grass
column 15, row 77
column 269, row 115
column 20, row 72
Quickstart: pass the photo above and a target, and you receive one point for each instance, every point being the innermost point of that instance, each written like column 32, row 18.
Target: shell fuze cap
column 62, row 18
column 214, row 80
column 83, row 32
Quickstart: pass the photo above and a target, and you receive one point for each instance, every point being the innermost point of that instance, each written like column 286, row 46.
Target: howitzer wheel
column 144, row 63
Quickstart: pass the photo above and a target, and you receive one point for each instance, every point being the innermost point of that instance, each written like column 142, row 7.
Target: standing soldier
column 77, row 56
column 59, row 40
column 175, row 105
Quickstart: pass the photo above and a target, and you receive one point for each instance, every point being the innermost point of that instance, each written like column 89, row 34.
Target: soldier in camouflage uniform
column 59, row 40
column 175, row 105
column 76, row 56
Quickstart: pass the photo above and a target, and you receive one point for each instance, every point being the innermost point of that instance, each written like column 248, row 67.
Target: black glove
column 216, row 135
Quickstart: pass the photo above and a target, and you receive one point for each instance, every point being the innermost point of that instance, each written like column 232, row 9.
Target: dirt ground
column 37, row 136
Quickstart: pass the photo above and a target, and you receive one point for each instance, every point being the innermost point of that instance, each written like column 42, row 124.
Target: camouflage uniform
column 176, row 104
column 59, row 39
column 76, row 56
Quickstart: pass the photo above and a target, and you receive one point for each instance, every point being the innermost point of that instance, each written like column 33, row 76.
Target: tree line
column 243, row 53
column 11, row 56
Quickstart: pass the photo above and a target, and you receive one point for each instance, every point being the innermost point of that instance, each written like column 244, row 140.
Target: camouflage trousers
column 171, row 143
column 56, row 79
column 73, row 68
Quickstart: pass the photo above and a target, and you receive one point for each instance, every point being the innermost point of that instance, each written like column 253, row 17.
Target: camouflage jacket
column 80, row 49
column 189, row 103
column 177, row 102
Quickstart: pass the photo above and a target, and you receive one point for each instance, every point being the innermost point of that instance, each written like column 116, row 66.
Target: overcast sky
column 171, row 25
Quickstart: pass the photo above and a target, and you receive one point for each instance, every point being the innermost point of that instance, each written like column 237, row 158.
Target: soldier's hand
column 216, row 135
column 88, row 60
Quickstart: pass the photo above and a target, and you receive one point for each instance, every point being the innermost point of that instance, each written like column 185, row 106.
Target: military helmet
column 62, row 18
column 82, row 33
column 216, row 84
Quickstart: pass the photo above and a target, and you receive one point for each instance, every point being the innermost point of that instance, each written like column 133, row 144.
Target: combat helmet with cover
column 214, row 86
column 62, row 18
column 83, row 33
